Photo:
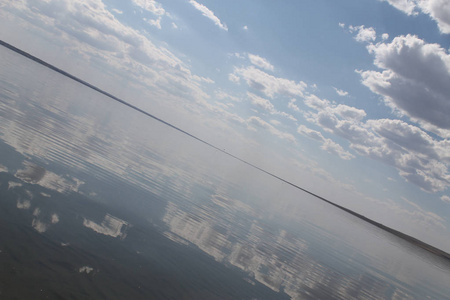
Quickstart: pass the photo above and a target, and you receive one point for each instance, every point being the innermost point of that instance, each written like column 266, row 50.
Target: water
column 100, row 201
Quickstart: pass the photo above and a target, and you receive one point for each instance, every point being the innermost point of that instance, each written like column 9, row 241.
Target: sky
column 348, row 99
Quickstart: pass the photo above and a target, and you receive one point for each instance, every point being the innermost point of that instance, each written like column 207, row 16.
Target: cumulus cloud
column 407, row 6
column 293, row 106
column 261, row 102
column 268, row 84
column 414, row 79
column 255, row 123
column 418, row 157
column 209, row 14
column 260, row 62
column 438, row 10
column 311, row 133
column 327, row 144
column 445, row 198
column 266, row 105
column 88, row 29
column 151, row 6
column 326, row 108
column 335, row 148
column 341, row 92
column 363, row 34
column 117, row 11
column 222, row 95
column 154, row 22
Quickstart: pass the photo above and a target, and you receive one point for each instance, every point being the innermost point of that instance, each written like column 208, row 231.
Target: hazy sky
column 349, row 99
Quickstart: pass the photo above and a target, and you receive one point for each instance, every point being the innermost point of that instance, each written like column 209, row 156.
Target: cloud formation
column 268, row 84
column 266, row 105
column 255, row 123
column 89, row 29
column 438, row 10
column 154, row 22
column 209, row 14
column 151, row 6
column 363, row 34
column 415, row 79
column 419, row 158
column 341, row 92
column 260, row 62
column 327, row 144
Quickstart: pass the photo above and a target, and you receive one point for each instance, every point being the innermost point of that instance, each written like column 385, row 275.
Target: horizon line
column 397, row 233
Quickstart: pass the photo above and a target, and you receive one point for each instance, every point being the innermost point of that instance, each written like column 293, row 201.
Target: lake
column 100, row 201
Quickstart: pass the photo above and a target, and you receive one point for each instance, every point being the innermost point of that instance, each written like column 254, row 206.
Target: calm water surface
column 99, row 201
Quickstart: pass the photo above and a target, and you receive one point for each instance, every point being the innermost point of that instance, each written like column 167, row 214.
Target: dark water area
column 98, row 201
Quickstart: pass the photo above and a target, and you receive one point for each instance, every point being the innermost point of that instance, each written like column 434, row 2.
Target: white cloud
column 418, row 157
column 268, row 84
column 260, row 62
column 154, row 22
column 293, row 106
column 255, row 122
column 333, row 147
column 342, row 25
column 222, row 95
column 202, row 79
column 174, row 26
column 261, row 102
column 415, row 79
column 327, row 144
column 151, row 6
column 117, row 11
column 349, row 113
column 234, row 78
column 315, row 102
column 275, row 122
column 407, row 6
column 438, row 10
column 308, row 132
column 363, row 34
column 384, row 36
column 445, row 198
column 209, row 14
column 89, row 30
column 245, row 27
column 341, row 92
column 266, row 105
column 404, row 135
column 326, row 108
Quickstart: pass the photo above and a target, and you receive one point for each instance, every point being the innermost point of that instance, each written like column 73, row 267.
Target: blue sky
column 349, row 99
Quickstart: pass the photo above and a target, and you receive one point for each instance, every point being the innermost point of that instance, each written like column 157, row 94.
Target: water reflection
column 110, row 225
column 128, row 202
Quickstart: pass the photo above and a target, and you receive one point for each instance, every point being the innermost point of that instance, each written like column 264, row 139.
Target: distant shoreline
column 399, row 234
